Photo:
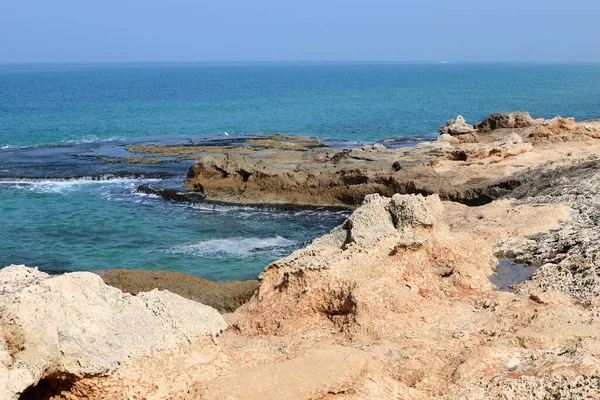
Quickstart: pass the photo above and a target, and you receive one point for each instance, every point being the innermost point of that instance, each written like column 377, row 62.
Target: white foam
column 225, row 207
column 146, row 195
column 93, row 139
column 233, row 246
column 68, row 185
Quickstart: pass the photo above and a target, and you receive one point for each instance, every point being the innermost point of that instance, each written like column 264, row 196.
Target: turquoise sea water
column 52, row 221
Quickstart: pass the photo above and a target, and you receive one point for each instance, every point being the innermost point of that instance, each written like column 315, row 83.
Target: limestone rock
column 74, row 325
column 445, row 137
column 459, row 128
column 370, row 222
column 416, row 210
column 513, row 138
column 506, row 120
column 387, row 254
column 329, row 177
column 306, row 377
column 560, row 129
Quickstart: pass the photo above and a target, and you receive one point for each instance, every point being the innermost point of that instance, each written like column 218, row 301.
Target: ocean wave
column 93, row 139
column 231, row 207
column 89, row 178
column 239, row 247
column 65, row 185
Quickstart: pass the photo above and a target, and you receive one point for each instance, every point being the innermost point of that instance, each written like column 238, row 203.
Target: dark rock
column 506, row 120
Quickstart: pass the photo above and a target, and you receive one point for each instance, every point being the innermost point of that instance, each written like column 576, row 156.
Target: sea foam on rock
column 74, row 326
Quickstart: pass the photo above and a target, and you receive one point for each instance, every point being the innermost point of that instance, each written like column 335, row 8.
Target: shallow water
column 63, row 208
column 83, row 225
column 510, row 274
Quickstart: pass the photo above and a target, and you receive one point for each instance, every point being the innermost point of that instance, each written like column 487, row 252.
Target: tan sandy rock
column 459, row 129
column 223, row 296
column 74, row 326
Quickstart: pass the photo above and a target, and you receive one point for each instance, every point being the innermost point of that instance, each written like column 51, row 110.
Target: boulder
column 506, row 120
column 513, row 138
column 416, row 210
column 444, row 137
column 370, row 222
column 459, row 128
column 74, row 326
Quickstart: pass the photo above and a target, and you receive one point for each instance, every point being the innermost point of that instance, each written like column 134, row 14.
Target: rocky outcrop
column 507, row 120
column 459, row 338
column 73, row 326
column 222, row 296
column 344, row 178
column 559, row 129
column 459, row 129
column 394, row 303
column 569, row 257
column 473, row 173
column 399, row 243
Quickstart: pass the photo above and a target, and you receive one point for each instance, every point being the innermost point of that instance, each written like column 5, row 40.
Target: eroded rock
column 74, row 325
column 332, row 282
column 415, row 210
column 459, row 129
column 507, row 120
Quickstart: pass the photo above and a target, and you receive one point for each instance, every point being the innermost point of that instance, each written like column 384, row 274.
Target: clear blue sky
column 282, row 30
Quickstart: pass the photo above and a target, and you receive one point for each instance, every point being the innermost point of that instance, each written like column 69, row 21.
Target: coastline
column 397, row 300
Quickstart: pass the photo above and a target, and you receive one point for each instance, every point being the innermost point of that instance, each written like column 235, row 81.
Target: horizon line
column 440, row 62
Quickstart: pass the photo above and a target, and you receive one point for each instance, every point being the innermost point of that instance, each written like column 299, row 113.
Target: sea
column 64, row 209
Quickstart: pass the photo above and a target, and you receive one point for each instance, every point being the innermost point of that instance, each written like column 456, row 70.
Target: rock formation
column 459, row 129
column 507, row 120
column 69, row 327
column 473, row 173
column 337, row 281
column 344, row 178
column 562, row 130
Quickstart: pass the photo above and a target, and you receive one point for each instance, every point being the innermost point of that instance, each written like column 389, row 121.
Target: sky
column 299, row 30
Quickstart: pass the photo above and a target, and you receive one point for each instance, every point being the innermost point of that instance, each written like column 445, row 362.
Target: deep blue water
column 88, row 224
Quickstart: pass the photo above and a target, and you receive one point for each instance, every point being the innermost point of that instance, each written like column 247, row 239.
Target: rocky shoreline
column 394, row 303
